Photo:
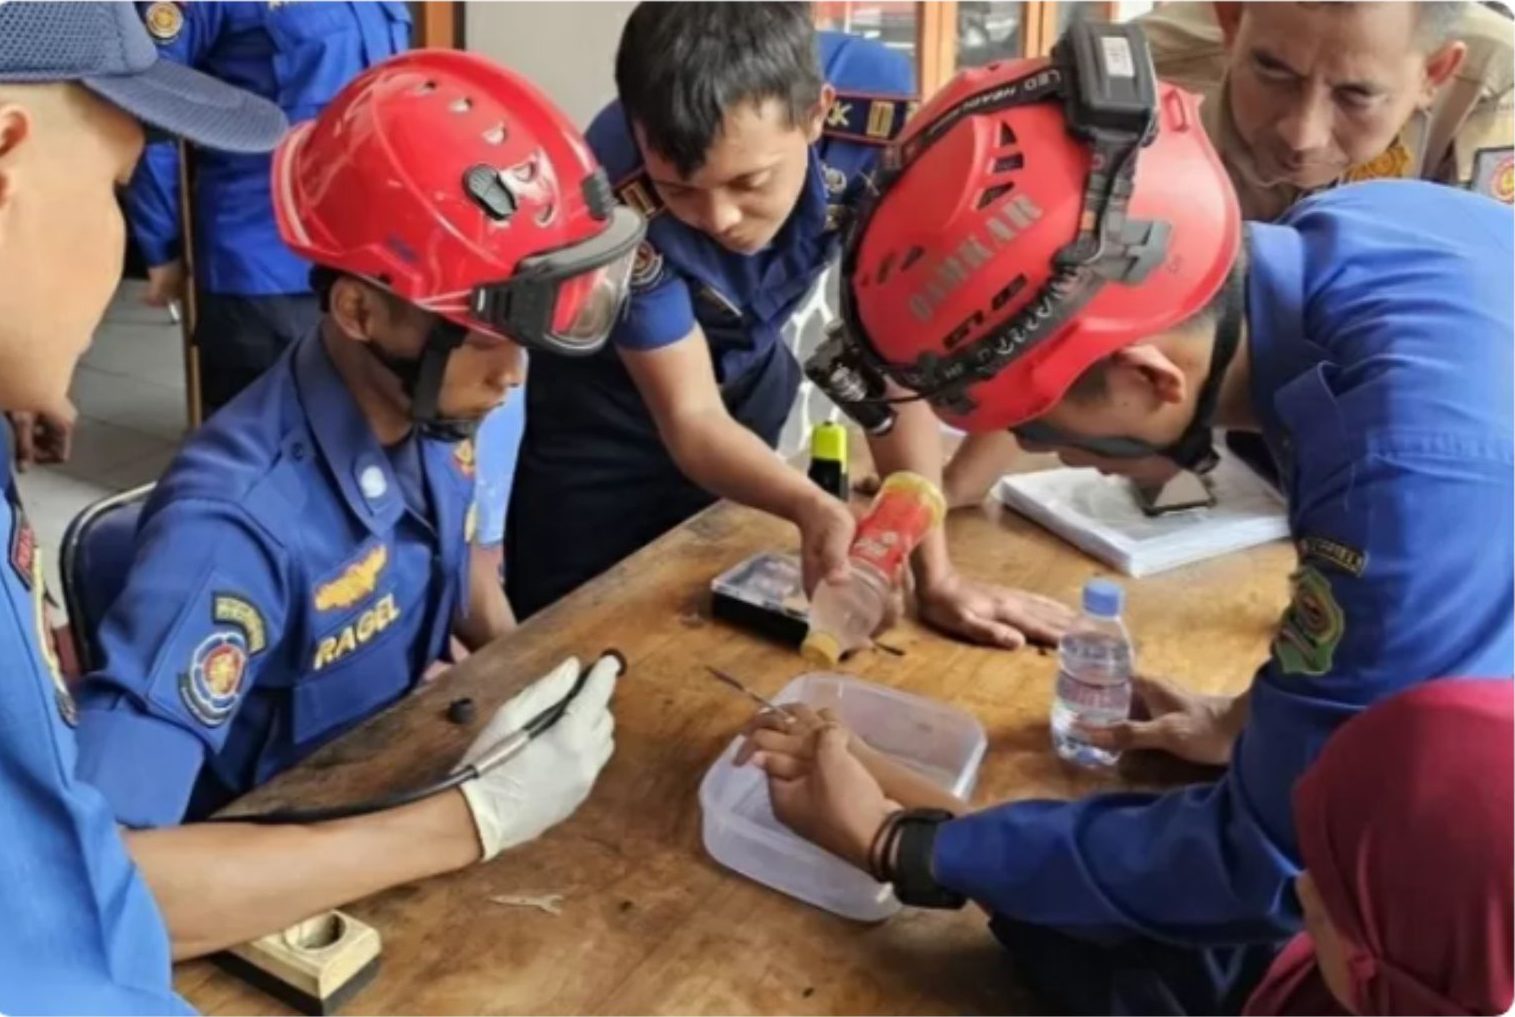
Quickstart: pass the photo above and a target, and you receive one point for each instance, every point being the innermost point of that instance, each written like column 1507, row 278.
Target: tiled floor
column 129, row 391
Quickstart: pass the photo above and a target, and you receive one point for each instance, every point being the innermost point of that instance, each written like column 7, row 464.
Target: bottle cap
column 828, row 441
column 1103, row 599
column 821, row 648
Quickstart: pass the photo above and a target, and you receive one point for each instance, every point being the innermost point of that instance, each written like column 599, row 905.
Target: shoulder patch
column 164, row 21
column 1348, row 559
column 1390, row 164
column 354, row 582
column 647, row 267
column 1494, row 173
column 637, row 193
column 213, row 683
column 869, row 119
column 1312, row 626
column 238, row 612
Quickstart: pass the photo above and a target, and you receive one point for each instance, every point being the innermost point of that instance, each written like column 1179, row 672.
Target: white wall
column 567, row 49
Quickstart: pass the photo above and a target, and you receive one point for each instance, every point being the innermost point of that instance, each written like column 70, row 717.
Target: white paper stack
column 1099, row 515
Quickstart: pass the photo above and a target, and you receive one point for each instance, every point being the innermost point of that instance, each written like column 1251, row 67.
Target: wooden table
column 650, row 924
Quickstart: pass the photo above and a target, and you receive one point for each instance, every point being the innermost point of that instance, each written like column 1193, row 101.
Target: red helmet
column 986, row 275
column 458, row 186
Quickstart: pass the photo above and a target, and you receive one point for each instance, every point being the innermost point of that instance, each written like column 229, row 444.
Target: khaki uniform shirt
column 1466, row 138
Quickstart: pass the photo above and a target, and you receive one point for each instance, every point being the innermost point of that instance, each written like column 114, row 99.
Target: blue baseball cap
column 106, row 48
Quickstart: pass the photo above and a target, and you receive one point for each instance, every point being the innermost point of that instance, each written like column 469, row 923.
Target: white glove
column 546, row 781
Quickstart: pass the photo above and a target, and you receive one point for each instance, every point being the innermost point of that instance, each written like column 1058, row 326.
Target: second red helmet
column 458, row 186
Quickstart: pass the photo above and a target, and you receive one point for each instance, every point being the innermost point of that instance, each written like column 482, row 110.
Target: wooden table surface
column 650, row 924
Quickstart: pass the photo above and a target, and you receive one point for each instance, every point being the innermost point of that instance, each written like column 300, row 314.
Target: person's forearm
column 489, row 615
column 220, row 884
column 905, row 786
column 726, row 459
column 979, row 461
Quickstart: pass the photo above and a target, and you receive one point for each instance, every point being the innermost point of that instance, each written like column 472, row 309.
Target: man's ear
column 1441, row 64
column 1158, row 374
column 16, row 129
column 1228, row 15
column 352, row 309
column 815, row 121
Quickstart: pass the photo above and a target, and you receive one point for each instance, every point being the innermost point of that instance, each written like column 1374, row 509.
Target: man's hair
column 1437, row 21
column 682, row 67
column 1094, row 384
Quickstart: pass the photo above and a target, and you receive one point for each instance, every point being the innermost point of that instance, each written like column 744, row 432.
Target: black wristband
column 914, row 883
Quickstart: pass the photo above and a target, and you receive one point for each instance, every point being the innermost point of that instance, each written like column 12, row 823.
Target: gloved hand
column 520, row 799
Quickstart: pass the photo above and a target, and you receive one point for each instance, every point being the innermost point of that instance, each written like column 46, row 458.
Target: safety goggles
column 566, row 300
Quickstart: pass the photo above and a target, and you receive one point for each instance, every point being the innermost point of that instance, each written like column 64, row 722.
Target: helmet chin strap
column 421, row 380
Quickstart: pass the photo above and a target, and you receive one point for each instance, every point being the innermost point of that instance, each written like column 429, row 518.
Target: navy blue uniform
column 594, row 482
column 254, row 293
column 82, row 933
column 292, row 578
column 1380, row 340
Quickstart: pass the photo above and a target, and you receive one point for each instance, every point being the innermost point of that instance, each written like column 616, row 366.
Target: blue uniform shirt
column 81, row 932
column 742, row 301
column 1380, row 337
column 297, row 55
column 283, row 590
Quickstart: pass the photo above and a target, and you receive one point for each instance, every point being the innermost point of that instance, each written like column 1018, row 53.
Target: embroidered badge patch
column 647, row 267
column 213, row 683
column 164, row 21
column 1349, row 559
column 230, row 609
column 355, row 582
column 1494, row 173
column 23, row 547
column 1390, row 164
column 836, row 180
column 1312, row 626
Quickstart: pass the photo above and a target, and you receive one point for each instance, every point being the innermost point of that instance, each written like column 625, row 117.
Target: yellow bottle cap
column 821, row 648
column 917, row 485
column 829, row 442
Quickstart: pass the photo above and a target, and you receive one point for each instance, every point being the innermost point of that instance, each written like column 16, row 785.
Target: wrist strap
column 912, row 842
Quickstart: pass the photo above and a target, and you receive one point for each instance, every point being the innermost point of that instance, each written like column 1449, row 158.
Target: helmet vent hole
column 1006, row 135
column 885, row 267
column 462, row 104
column 911, row 257
column 426, row 88
column 993, row 194
column 1008, row 294
column 495, row 135
column 1006, row 163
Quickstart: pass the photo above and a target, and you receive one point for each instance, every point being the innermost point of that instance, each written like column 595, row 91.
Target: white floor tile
column 128, row 402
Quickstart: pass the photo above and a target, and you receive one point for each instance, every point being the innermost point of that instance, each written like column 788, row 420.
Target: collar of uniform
column 346, row 441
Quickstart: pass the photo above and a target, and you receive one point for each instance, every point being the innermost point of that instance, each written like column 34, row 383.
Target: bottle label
column 897, row 522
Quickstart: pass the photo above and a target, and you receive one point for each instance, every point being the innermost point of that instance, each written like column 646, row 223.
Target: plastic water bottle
column 1094, row 675
column 844, row 615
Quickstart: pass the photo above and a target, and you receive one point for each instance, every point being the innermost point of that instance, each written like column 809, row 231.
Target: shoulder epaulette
column 637, row 193
column 869, row 119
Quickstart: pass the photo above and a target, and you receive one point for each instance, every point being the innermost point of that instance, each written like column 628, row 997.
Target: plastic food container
column 742, row 833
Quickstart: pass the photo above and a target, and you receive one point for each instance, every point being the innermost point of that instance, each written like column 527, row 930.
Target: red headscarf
column 1406, row 824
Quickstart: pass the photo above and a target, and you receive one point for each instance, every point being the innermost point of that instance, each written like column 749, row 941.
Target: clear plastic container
column 742, row 833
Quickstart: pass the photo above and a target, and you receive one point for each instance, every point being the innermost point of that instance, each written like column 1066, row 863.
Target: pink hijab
column 1406, row 824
